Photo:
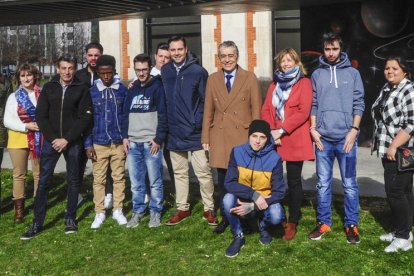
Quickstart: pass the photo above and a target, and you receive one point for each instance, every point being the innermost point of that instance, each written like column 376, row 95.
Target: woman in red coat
column 287, row 109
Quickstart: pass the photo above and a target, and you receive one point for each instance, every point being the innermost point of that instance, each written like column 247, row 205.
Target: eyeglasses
column 145, row 70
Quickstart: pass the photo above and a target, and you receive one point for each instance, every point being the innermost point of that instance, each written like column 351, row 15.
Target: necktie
column 228, row 83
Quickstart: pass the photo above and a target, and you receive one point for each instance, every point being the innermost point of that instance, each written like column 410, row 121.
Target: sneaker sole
column 320, row 237
column 175, row 223
column 70, row 232
column 120, row 223
column 352, row 242
column 132, row 226
column 211, row 223
column 26, row 238
column 265, row 244
column 233, row 256
column 154, row 226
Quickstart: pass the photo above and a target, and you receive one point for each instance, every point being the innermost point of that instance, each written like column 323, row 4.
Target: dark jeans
column 399, row 191
column 167, row 159
column 1, row 156
column 295, row 192
column 48, row 159
column 221, row 190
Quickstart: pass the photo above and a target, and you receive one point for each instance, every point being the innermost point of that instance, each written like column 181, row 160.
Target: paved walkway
column 369, row 173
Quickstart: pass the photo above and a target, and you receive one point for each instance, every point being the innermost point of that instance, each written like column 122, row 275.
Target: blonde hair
column 293, row 54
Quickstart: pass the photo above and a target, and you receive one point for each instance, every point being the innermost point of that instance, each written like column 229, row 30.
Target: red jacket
column 296, row 143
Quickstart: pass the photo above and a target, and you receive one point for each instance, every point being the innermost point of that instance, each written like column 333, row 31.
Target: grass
column 189, row 248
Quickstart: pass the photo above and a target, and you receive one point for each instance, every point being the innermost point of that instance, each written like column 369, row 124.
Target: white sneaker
column 119, row 217
column 398, row 244
column 389, row 237
column 99, row 219
column 108, row 204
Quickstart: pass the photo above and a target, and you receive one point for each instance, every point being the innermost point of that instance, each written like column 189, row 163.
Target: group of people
column 177, row 112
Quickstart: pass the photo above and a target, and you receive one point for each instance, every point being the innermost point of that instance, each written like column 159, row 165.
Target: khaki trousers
column 108, row 155
column 199, row 161
column 19, row 158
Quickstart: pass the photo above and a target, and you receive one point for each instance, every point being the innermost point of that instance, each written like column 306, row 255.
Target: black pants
column 399, row 191
column 221, row 175
column 295, row 192
column 1, row 156
column 167, row 159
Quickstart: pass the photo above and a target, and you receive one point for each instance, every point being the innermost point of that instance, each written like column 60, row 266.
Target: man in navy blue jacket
column 184, row 83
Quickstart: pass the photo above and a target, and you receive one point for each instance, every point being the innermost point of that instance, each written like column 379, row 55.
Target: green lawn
column 189, row 248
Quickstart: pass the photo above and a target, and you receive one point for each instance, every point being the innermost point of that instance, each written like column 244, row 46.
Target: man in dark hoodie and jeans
column 184, row 83
column 337, row 108
column 63, row 114
column 146, row 128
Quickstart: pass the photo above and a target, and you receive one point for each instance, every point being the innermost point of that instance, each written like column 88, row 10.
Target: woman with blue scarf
column 287, row 109
column 24, row 136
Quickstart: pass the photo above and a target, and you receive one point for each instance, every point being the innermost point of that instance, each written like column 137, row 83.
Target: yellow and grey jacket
column 253, row 173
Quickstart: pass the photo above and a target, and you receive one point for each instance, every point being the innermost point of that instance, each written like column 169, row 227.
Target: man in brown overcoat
column 233, row 99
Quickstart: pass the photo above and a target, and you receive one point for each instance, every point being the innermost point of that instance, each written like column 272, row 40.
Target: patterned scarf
column 27, row 112
column 284, row 83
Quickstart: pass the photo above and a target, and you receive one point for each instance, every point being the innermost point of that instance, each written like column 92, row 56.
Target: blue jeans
column 273, row 215
column 141, row 161
column 48, row 159
column 347, row 166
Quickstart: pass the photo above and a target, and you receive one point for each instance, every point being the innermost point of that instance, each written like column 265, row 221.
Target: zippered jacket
column 109, row 117
column 66, row 115
column 184, row 93
column 145, row 110
column 254, row 173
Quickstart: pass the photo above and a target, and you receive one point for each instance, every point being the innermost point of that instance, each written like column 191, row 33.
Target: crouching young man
column 104, row 145
column 255, row 186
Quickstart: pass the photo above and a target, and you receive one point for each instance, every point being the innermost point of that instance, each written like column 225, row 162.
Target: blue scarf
column 284, row 83
column 27, row 113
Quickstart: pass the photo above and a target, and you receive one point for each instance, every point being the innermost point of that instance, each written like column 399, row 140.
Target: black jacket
column 84, row 76
column 64, row 116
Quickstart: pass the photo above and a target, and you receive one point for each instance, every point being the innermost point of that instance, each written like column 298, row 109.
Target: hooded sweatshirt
column 338, row 96
column 256, row 173
column 146, row 112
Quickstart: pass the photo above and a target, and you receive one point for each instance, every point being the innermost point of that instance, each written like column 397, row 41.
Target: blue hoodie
column 338, row 96
column 253, row 173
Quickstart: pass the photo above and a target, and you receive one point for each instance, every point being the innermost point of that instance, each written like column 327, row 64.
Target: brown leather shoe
column 18, row 210
column 290, row 232
column 178, row 217
column 210, row 217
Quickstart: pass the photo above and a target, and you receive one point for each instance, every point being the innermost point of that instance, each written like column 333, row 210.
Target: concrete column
column 233, row 27
column 262, row 21
column 135, row 28
column 208, row 43
column 110, row 38
column 123, row 39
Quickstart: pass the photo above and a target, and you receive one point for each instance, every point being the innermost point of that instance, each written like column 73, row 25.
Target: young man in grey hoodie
column 337, row 108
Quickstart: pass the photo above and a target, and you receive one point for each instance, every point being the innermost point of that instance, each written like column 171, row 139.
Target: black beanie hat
column 260, row 126
column 106, row 60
